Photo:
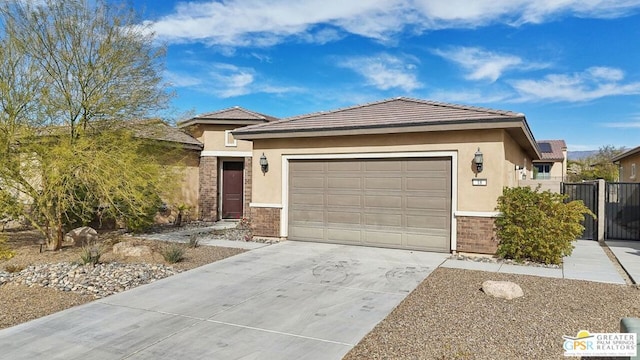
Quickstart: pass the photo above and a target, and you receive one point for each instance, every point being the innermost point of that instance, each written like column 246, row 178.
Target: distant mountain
column 579, row 155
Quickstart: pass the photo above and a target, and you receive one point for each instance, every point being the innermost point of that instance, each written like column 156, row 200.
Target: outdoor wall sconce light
column 478, row 160
column 264, row 164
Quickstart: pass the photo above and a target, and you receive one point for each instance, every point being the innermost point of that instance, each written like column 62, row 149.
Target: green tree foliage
column 537, row 226
column 5, row 252
column 597, row 166
column 73, row 74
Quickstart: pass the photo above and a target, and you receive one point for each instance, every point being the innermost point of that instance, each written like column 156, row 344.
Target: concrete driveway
column 287, row 301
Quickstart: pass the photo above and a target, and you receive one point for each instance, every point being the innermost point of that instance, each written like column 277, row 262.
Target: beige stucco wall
column 558, row 170
column 212, row 136
column 267, row 188
column 514, row 156
column 186, row 166
column 625, row 175
column 191, row 183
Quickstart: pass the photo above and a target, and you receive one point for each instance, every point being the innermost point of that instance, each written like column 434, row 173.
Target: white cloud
column 593, row 83
column 227, row 80
column 385, row 71
column 471, row 96
column 181, row 80
column 264, row 23
column 623, row 125
column 482, row 64
column 632, row 123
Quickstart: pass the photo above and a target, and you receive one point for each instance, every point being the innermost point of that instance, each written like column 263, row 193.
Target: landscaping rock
column 502, row 289
column 81, row 236
column 127, row 249
column 100, row 280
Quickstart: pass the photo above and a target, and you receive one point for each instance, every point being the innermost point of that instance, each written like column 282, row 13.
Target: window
column 633, row 171
column 542, row 171
column 229, row 140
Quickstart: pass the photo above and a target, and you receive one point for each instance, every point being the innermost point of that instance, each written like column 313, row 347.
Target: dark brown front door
column 232, row 186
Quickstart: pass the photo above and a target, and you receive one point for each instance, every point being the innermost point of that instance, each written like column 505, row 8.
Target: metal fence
column 588, row 193
column 622, row 211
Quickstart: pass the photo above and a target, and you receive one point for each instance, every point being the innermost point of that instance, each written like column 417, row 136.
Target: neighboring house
column 628, row 163
column 399, row 173
column 553, row 162
column 551, row 169
column 186, row 157
column 224, row 172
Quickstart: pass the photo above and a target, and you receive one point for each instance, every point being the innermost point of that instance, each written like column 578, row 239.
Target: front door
column 232, row 189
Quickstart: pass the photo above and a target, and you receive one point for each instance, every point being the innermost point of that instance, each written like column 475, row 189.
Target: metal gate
column 622, row 209
column 588, row 193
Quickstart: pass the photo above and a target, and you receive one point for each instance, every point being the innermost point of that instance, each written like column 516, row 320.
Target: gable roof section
column 625, row 154
column 552, row 149
column 231, row 116
column 398, row 115
column 156, row 129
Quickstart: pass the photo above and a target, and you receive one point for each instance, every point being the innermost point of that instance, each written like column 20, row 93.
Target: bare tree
column 72, row 73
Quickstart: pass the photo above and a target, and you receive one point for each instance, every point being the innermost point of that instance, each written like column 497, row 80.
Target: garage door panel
column 381, row 238
column 394, row 220
column 428, row 222
column 427, row 184
column 344, row 200
column 307, row 233
column 308, row 166
column 433, row 242
column 383, row 201
column 398, row 203
column 340, row 235
column 308, row 183
column 425, row 203
column 305, row 199
column 392, row 183
column 383, row 166
column 345, row 183
column 308, row 216
column 348, row 166
column 338, row 217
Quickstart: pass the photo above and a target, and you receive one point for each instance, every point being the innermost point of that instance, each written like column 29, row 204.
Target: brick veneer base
column 265, row 221
column 246, row 211
column 476, row 235
column 208, row 203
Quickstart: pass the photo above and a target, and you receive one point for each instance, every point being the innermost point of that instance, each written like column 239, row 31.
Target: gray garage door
column 397, row 203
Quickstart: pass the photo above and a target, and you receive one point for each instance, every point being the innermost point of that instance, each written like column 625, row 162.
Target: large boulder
column 126, row 249
column 81, row 236
column 502, row 289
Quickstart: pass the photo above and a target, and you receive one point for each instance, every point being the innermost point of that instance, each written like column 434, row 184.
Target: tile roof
column 230, row 115
column 383, row 114
column 625, row 154
column 152, row 129
column 155, row 129
column 552, row 151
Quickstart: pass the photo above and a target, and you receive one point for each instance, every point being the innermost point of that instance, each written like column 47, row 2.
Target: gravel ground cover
column 34, row 284
column 448, row 317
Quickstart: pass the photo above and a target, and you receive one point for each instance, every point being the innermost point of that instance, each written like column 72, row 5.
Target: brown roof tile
column 232, row 115
column 625, row 154
column 553, row 151
column 156, row 129
column 382, row 114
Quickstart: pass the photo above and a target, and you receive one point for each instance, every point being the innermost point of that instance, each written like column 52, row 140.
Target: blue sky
column 572, row 67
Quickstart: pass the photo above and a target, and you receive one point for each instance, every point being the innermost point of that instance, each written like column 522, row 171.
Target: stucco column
column 602, row 187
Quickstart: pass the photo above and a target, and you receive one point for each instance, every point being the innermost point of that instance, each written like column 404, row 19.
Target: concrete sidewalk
column 182, row 235
column 628, row 254
column 291, row 300
column 587, row 262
